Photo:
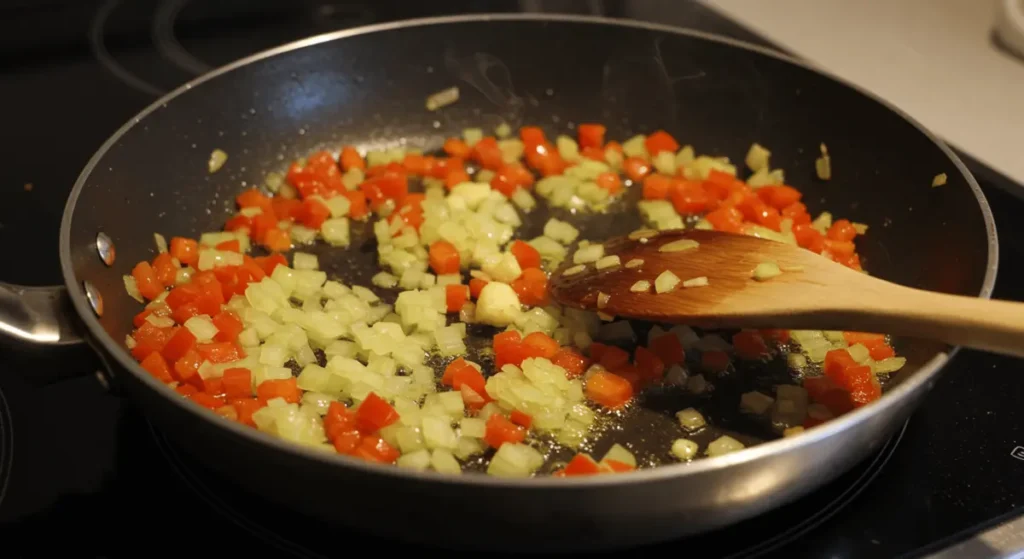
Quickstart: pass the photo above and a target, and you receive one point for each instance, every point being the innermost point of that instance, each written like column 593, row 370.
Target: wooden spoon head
column 732, row 297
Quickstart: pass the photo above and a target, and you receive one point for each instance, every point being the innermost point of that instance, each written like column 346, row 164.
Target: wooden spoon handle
column 996, row 326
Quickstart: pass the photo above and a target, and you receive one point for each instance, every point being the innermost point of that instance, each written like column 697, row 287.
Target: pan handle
column 40, row 332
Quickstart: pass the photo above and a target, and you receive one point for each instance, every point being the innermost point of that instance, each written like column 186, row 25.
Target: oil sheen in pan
column 648, row 426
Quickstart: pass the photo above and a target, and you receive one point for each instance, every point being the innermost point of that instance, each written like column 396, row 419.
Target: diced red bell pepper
column 608, row 389
column 279, row 388
column 220, row 352
column 146, row 280
column 591, row 135
column 649, row 365
column 456, row 296
column 749, row 345
column 714, row 361
column 237, row 383
column 444, row 258
column 374, row 414
column 156, row 365
column 521, row 419
column 573, row 363
column 180, row 343
column 660, row 141
column 669, row 349
column 339, row 420
column 582, row 465
column 500, row 431
column 185, row 250
column 374, row 449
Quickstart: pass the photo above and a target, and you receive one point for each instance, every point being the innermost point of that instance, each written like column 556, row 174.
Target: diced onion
column 498, row 305
column 515, row 460
column 765, row 271
column 418, row 460
column 385, row 280
column 723, row 445
column 701, row 281
column 305, row 261
column 691, row 419
column 133, row 289
column 666, row 282
column 939, row 180
column 635, row 263
column 755, row 402
column 161, row 242
column 202, row 328
column 620, row 453
column 757, row 158
column 588, row 254
column 697, row 384
column 888, row 365
column 684, row 449
column 560, row 231
column 641, row 286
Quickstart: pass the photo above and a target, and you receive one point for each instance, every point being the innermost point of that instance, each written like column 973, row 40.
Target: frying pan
column 367, row 87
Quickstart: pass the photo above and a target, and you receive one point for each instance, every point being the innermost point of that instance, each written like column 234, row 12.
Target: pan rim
column 914, row 383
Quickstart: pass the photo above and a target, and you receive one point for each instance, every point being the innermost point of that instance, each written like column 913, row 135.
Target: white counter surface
column 935, row 59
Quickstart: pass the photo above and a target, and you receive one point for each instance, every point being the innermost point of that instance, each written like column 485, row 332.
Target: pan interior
column 369, row 90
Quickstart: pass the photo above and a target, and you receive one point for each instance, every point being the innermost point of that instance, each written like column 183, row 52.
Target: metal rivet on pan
column 104, row 382
column 93, row 296
column 105, row 246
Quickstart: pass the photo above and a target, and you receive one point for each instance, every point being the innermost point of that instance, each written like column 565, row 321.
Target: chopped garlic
column 823, row 167
column 765, row 271
column 602, row 299
column 939, row 180
column 574, row 270
column 641, row 286
column 635, row 263
column 666, row 282
column 442, row 98
column 642, row 234
column 217, row 159
column 702, row 281
column 610, row 261
column 679, row 246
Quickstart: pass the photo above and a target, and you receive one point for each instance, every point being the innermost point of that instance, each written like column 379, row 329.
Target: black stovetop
column 82, row 471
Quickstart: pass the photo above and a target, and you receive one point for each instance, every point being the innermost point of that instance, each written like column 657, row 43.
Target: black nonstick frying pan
column 367, row 87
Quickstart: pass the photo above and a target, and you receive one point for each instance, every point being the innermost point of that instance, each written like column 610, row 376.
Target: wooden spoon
column 812, row 292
